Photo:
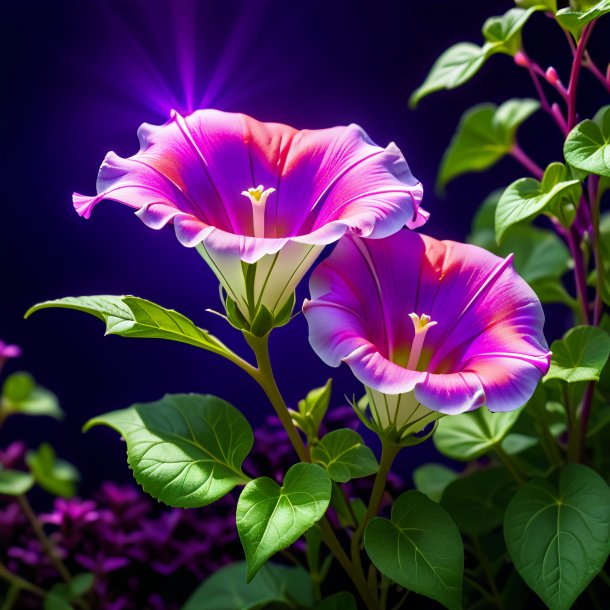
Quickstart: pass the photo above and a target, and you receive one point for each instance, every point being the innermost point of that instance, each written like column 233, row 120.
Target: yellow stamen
column 421, row 325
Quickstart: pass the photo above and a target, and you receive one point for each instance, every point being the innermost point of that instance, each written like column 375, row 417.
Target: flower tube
column 260, row 201
column 429, row 327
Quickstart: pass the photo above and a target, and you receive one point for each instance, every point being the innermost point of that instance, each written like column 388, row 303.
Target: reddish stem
column 531, row 166
column 590, row 65
column 576, row 64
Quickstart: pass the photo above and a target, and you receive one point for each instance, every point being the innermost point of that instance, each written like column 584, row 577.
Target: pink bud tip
column 521, row 59
column 551, row 76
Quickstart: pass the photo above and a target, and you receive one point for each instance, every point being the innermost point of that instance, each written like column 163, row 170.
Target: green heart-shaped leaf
column 505, row 31
column 575, row 19
column 134, row 317
column 53, row 475
column 526, row 198
column 226, row 589
column 485, row 134
column 420, row 548
column 15, row 482
column 580, row 355
column 345, row 456
column 478, row 500
column 559, row 538
column 432, row 480
column 270, row 518
column 470, row 435
column 587, row 146
column 185, row 449
column 20, row 394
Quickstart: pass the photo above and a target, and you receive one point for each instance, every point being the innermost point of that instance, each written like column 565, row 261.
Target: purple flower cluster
column 143, row 555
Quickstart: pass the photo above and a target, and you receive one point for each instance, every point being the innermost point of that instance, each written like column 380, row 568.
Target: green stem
column 389, row 451
column 509, row 464
column 19, row 582
column 573, row 426
column 45, row 541
column 482, row 557
column 265, row 378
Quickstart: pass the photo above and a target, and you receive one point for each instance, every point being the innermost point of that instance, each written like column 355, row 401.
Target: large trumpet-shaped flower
column 249, row 193
column 430, row 327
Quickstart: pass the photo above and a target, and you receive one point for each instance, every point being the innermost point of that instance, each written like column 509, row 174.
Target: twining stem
column 530, row 165
column 44, row 540
column 576, row 65
column 579, row 274
column 20, row 583
column 263, row 375
column 593, row 189
column 389, row 451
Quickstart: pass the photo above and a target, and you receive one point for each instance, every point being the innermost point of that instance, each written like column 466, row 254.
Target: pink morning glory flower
column 242, row 191
column 429, row 327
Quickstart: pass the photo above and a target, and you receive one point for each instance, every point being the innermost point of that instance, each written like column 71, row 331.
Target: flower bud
column 521, row 59
column 551, row 76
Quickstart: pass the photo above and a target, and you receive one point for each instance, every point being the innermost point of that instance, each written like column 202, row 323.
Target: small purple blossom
column 7, row 352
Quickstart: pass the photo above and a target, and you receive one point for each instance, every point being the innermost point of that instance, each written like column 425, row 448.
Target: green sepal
column 56, row 476
column 284, row 315
column 420, row 549
column 234, row 315
column 558, row 534
column 270, row 518
column 186, row 450
column 579, row 356
column 345, row 456
column 274, row 586
column 485, row 134
column 263, row 322
column 15, row 482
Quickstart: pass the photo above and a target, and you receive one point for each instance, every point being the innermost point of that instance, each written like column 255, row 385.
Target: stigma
column 421, row 325
column 258, row 199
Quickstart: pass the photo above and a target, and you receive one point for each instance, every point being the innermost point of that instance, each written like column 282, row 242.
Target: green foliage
column 604, row 249
column 559, row 537
column 432, row 480
column 580, row 355
column 575, row 19
column 461, row 62
column 556, row 195
column 587, row 146
column 185, row 449
column 345, row 456
column 134, row 317
column 542, row 5
column 485, row 134
column 338, row 601
column 52, row 474
column 420, row 548
column 312, row 409
column 270, row 518
column 470, row 435
column 280, row 586
column 477, row 501
column 21, row 394
column 15, row 482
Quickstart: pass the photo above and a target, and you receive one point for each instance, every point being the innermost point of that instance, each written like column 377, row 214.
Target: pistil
column 258, row 199
column 421, row 325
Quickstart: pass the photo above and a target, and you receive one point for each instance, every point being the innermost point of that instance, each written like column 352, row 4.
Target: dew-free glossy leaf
column 134, row 317
column 504, row 31
column 270, row 518
column 478, row 500
column 420, row 548
column 345, row 456
column 56, row 476
column 15, row 482
column 485, row 134
column 432, row 480
column 587, row 146
column 226, row 589
column 185, row 449
column 526, row 198
column 575, row 19
column 580, row 355
column 470, row 435
column 559, row 537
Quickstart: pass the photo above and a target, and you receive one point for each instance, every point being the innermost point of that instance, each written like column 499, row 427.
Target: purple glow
column 486, row 348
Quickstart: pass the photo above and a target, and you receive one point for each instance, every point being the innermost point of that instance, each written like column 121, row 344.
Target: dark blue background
column 77, row 80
